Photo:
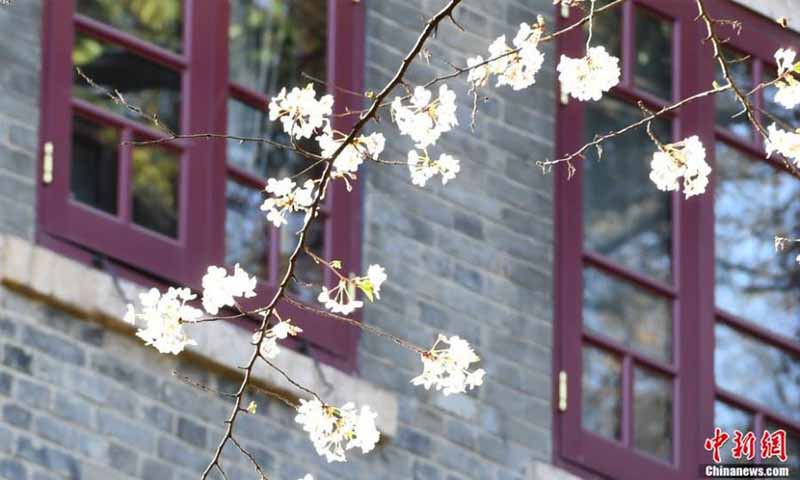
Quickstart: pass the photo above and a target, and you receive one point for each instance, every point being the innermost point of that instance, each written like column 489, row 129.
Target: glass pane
column 792, row 447
column 757, row 371
column 790, row 117
column 156, row 178
column 601, row 403
column 93, row 173
column 246, row 230
column 261, row 159
column 729, row 418
column 156, row 21
column 628, row 314
column 653, row 69
column 652, row 429
column 754, row 202
column 607, row 29
column 624, row 216
column 144, row 84
column 272, row 42
column 306, row 271
column 741, row 70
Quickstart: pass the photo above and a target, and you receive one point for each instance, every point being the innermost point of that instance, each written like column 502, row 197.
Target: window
column 668, row 337
column 164, row 211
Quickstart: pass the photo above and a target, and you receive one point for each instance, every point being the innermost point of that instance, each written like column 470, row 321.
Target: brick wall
column 79, row 400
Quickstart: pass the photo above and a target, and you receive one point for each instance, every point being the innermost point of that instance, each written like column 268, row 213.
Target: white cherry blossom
column 686, row 159
column 334, row 430
column 423, row 119
column 220, row 290
column 163, row 317
column 422, row 168
column 784, row 142
column 447, row 369
column 788, row 94
column 361, row 148
column 299, row 111
column 587, row 78
column 342, row 298
column 280, row 331
column 287, row 197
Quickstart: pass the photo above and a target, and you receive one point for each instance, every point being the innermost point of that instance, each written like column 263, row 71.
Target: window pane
column 306, row 271
column 727, row 106
column 653, row 69
column 156, row 178
column 792, row 447
column 652, row 429
column 754, row 202
column 628, row 314
column 246, row 230
column 93, row 173
column 773, row 108
column 624, row 216
column 729, row 418
column 156, row 21
column 607, row 29
column 147, row 85
column 757, row 371
column 272, row 42
column 601, row 404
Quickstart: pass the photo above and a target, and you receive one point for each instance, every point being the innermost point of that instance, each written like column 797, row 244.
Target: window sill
column 93, row 294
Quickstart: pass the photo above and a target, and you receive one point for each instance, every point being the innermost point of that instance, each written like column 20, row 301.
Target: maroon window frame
column 152, row 259
column 692, row 287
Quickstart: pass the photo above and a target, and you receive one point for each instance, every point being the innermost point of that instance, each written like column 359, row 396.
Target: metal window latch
column 47, row 163
column 562, row 391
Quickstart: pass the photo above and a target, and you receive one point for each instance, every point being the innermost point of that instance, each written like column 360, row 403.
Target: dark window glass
column 147, row 85
column 729, row 418
column 246, row 230
column 155, row 187
column 272, row 42
column 652, row 413
column 728, row 108
column 601, row 401
column 94, row 169
column 757, row 371
column 607, row 29
column 628, row 314
column 792, row 447
column 653, row 69
column 753, row 202
column 156, row 21
column 307, row 271
column 625, row 218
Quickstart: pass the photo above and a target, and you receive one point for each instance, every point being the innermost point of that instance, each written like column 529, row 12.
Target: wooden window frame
column 692, row 288
column 112, row 242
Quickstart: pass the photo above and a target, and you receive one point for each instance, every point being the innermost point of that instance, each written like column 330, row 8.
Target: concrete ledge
column 93, row 294
column 546, row 471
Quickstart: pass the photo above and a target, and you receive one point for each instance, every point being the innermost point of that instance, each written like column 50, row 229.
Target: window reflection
column 272, row 42
column 652, row 430
column 246, row 230
column 653, row 69
column 601, row 403
column 754, row 202
column 728, row 108
column 729, row 418
column 624, row 217
column 757, row 371
column 93, row 172
column 156, row 175
column 156, row 21
column 153, row 88
column 628, row 314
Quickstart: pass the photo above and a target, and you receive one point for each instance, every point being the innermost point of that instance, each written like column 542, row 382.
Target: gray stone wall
column 81, row 401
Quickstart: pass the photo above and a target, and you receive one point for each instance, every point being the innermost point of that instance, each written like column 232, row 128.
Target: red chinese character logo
column 744, row 445
column 716, row 442
column 774, row 445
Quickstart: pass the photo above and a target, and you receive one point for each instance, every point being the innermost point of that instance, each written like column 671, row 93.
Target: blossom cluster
column 686, row 159
column 220, row 289
column 515, row 67
column 287, row 196
column 353, row 155
column 447, row 369
column 788, row 85
column 424, row 119
column 163, row 317
column 299, row 111
column 334, row 430
column 786, row 143
column 343, row 299
column 280, row 331
column 423, row 167
column 588, row 77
